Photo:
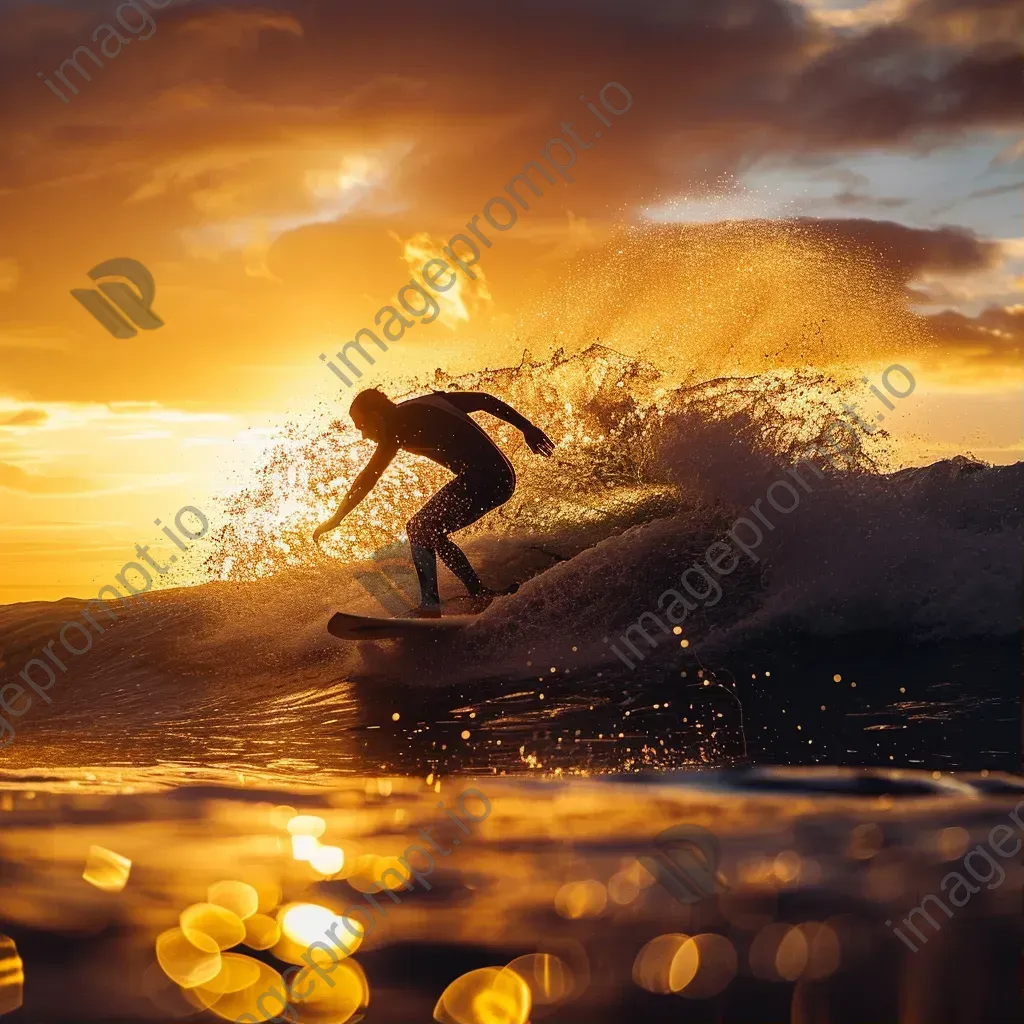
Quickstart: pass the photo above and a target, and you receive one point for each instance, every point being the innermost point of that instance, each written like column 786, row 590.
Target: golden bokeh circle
column 261, row 931
column 216, row 923
column 488, row 995
column 703, row 966
column 238, row 897
column 653, row 964
column 188, row 961
column 548, row 977
column 347, row 994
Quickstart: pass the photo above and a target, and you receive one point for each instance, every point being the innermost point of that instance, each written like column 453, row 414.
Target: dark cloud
column 897, row 84
column 904, row 251
column 998, row 190
column 996, row 335
column 851, row 198
column 193, row 151
column 716, row 83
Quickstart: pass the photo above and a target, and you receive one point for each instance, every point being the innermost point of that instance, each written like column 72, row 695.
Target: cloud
column 231, row 27
column 14, row 478
column 901, row 83
column 907, row 252
column 259, row 157
column 855, row 15
column 850, row 198
column 995, row 335
column 984, row 352
column 25, row 418
column 133, row 408
column 716, row 83
column 998, row 190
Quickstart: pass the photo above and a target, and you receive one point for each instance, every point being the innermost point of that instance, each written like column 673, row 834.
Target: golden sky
column 281, row 168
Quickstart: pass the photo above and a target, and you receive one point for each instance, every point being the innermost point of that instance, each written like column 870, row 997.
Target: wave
column 653, row 465
column 647, row 475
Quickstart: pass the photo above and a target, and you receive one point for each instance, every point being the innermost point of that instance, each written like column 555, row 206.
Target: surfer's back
column 438, row 429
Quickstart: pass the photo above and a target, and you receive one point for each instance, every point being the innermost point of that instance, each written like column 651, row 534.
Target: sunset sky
column 277, row 166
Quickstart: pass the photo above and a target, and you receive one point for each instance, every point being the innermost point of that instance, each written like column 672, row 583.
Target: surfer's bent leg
column 460, row 502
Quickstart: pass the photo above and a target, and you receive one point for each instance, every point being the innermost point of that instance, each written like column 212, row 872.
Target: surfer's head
column 370, row 411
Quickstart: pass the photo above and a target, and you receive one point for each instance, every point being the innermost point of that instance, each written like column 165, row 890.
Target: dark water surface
column 953, row 705
column 813, row 863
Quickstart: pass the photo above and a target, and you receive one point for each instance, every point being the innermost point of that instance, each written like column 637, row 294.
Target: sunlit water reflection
column 129, row 895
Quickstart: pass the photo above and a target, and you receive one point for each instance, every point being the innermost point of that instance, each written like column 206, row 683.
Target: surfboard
column 361, row 627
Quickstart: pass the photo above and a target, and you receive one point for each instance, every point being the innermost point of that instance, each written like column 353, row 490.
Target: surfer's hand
column 538, row 441
column 322, row 529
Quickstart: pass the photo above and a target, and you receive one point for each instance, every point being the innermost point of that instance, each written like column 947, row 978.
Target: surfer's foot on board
column 424, row 611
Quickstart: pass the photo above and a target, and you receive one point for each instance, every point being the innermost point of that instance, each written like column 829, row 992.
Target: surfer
column 438, row 427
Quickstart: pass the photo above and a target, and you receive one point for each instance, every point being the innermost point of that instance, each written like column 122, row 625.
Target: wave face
column 720, row 322
column 652, row 466
column 646, row 476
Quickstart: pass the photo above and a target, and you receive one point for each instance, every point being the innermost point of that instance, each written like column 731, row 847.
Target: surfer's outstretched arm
column 361, row 487
column 480, row 401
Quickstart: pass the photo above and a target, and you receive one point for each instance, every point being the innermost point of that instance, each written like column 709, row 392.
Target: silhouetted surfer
column 439, row 428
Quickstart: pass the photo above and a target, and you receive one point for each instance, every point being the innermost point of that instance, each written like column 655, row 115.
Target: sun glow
column 460, row 301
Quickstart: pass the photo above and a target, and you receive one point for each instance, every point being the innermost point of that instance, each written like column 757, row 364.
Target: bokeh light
column 302, row 924
column 188, row 961
column 218, row 924
column 549, row 978
column 952, row 843
column 392, row 873
column 703, row 966
column 304, row 847
column 653, row 964
column 489, row 995
column 764, row 949
column 237, row 972
column 280, row 816
column 793, row 955
column 269, row 893
column 261, row 931
column 865, row 841
column 327, row 860
column 574, row 955
column 12, row 976
column 307, row 825
column 333, row 1001
column 622, row 889
column 581, row 899
column 241, row 899
column 823, row 950
column 264, row 998
column 786, row 866
column 106, row 870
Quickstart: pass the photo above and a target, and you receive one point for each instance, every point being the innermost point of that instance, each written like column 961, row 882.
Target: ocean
column 873, row 651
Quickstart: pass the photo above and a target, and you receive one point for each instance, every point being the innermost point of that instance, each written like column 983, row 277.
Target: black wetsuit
column 437, row 427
